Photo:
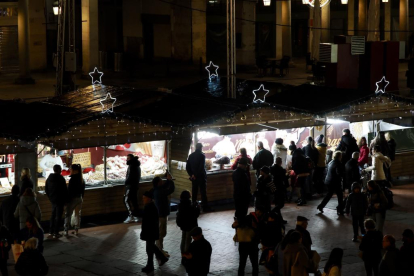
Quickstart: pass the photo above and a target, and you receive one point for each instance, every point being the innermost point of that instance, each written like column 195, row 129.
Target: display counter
column 403, row 164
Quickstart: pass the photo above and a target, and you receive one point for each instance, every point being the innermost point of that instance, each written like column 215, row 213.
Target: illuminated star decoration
column 96, row 76
column 106, row 103
column 384, row 83
column 261, row 89
column 212, row 70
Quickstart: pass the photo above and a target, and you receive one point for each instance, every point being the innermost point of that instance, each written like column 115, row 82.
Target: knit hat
column 279, row 141
column 319, row 139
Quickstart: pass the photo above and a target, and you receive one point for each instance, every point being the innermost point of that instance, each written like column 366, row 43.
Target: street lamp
column 56, row 8
column 267, row 3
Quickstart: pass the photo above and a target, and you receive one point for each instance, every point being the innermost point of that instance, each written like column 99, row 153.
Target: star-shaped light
column 105, row 108
column 384, row 83
column 96, row 76
column 261, row 89
column 212, row 70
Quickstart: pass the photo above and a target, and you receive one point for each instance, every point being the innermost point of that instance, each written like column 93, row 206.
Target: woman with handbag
column 296, row 261
column 334, row 264
column 76, row 191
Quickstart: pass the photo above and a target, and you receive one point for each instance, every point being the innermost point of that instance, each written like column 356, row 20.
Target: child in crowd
column 357, row 203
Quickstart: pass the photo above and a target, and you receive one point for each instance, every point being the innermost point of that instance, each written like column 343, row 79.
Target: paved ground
column 117, row 250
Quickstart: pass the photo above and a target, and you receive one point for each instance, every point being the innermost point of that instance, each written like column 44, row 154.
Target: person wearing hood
column 162, row 190
column 320, row 165
column 132, row 179
column 279, row 150
column 377, row 204
column 389, row 265
column 26, row 181
column 378, row 162
column 357, row 203
column 27, row 207
column 76, row 192
column 8, row 206
column 56, row 190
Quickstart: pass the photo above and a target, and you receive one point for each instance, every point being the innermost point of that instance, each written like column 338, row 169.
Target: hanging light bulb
column 267, row 2
column 384, row 1
column 344, row 2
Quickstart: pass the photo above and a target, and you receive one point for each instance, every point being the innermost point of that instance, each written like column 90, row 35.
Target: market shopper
column 301, row 171
column 296, row 261
column 280, row 181
column 199, row 254
column 392, row 146
column 334, row 264
column 196, row 169
column 5, row 246
column 377, row 207
column 241, row 192
column 133, row 177
column 27, row 207
column 265, row 189
column 186, row 219
column 348, row 145
column 279, row 150
column 150, row 232
column 25, row 181
column 312, row 155
column 262, row 158
column 363, row 152
column 407, row 253
column 7, row 209
column 76, row 191
column 32, row 230
column 357, row 204
column 333, row 181
column 162, row 191
column 57, row 192
column 243, row 154
column 301, row 227
column 31, row 261
column 389, row 265
column 370, row 248
column 377, row 167
column 352, row 173
column 320, row 165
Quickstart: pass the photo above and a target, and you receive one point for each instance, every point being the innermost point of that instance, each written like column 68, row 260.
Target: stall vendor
column 48, row 161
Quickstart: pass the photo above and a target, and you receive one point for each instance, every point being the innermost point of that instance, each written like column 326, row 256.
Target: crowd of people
column 281, row 174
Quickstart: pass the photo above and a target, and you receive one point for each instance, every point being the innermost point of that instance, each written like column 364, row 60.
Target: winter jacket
column 241, row 184
column 312, row 153
column 56, row 188
column 349, row 145
column 76, row 187
column 363, row 155
column 406, row 259
column 150, row 223
column 251, row 221
column 279, row 151
column 392, row 146
column 357, row 203
column 31, row 263
column 299, row 162
column 133, row 175
column 322, row 148
column 7, row 209
column 280, row 179
column 389, row 265
column 249, row 160
column 196, row 164
column 26, row 234
column 263, row 158
column 334, row 174
column 334, row 271
column 371, row 246
column 25, row 183
column 306, row 238
column 161, row 199
column 377, row 141
column 6, row 240
column 264, row 190
column 201, row 251
column 377, row 167
column 377, row 196
column 295, row 255
column 27, row 207
column 351, row 173
column 187, row 215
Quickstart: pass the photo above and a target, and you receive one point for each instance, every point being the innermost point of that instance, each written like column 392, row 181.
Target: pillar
column 362, row 17
column 387, row 21
column 199, row 31
column 279, row 30
column 23, row 41
column 351, row 17
column 287, row 31
column 404, row 19
column 326, row 23
column 90, row 38
column 310, row 36
column 247, row 54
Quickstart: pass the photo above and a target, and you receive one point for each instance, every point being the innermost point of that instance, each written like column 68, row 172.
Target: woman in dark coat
column 31, row 262
column 333, row 181
column 150, row 232
column 26, row 181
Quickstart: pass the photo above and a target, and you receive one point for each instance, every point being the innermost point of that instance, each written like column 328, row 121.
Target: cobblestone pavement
column 117, row 249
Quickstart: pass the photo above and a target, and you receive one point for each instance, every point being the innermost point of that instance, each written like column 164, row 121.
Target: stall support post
column 195, row 138
column 105, row 179
column 26, row 160
column 168, row 155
